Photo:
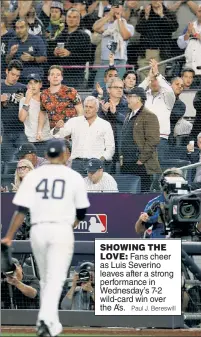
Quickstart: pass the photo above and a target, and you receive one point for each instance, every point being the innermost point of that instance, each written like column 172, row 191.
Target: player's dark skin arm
column 16, row 222
column 80, row 215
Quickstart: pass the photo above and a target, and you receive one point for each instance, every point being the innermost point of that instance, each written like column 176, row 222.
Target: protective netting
column 95, row 44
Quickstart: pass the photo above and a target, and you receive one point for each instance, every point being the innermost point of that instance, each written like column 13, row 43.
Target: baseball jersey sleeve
column 25, row 196
column 81, row 197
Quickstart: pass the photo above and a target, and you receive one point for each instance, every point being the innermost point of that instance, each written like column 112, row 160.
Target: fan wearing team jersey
column 98, row 180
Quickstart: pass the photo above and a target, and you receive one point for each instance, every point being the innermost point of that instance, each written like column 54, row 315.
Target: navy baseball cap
column 137, row 91
column 26, row 148
column 55, row 147
column 94, row 165
column 35, row 77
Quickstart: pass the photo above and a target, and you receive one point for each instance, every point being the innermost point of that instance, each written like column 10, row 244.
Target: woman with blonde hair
column 23, row 167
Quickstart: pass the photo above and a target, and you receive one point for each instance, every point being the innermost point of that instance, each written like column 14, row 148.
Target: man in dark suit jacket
column 179, row 107
column 194, row 156
column 197, row 122
column 140, row 137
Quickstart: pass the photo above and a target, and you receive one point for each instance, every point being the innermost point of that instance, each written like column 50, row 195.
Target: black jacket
column 197, row 123
column 156, row 32
column 178, row 112
column 194, row 157
column 78, row 43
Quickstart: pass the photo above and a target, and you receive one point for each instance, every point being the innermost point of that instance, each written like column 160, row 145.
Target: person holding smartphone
column 114, row 29
column 12, row 92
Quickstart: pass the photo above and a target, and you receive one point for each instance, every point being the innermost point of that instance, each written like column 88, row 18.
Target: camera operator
column 24, row 293
column 81, row 294
column 152, row 225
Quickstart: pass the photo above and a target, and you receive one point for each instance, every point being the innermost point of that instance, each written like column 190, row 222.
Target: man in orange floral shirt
column 59, row 101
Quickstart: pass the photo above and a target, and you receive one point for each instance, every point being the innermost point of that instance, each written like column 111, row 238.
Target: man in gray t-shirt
column 115, row 35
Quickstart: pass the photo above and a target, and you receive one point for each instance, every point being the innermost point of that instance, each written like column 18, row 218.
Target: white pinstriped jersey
column 106, row 184
column 52, row 193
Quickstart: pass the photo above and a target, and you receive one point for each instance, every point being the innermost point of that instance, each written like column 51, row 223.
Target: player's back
column 52, row 193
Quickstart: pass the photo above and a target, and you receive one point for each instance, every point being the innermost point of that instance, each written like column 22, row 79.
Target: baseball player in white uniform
column 57, row 199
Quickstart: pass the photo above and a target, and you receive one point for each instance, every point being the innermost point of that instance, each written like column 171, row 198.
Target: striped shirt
column 106, row 184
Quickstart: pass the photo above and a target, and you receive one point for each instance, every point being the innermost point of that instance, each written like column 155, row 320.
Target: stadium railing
column 172, row 59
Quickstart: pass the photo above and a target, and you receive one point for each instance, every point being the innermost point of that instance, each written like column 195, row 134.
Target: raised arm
column 99, row 24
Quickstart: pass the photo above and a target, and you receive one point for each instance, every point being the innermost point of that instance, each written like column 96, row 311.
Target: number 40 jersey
column 52, row 193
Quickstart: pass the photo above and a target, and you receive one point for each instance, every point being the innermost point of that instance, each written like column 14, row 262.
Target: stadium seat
column 128, row 183
column 6, row 180
column 10, row 167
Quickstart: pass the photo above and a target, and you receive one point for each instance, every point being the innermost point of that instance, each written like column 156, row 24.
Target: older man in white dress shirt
column 92, row 137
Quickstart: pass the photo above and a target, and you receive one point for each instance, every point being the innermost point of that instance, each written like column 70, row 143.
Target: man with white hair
column 191, row 42
column 92, row 137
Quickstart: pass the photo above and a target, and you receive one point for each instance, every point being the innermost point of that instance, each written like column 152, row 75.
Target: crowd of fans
column 130, row 123
column 131, row 120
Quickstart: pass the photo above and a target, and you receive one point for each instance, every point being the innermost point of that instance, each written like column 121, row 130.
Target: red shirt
column 60, row 105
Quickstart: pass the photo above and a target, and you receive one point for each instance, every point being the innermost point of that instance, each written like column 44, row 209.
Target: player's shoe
column 43, row 330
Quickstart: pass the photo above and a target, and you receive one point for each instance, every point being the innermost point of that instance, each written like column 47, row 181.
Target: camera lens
column 84, row 276
column 189, row 209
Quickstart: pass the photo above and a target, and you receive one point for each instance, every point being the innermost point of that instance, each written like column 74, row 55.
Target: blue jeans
column 100, row 73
